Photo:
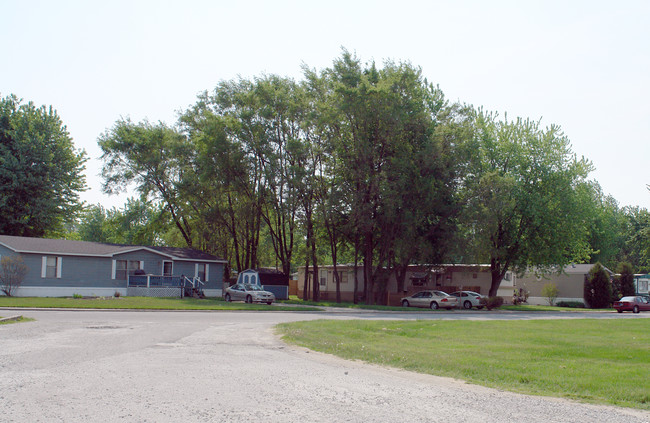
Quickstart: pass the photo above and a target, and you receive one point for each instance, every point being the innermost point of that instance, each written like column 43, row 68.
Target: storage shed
column 269, row 279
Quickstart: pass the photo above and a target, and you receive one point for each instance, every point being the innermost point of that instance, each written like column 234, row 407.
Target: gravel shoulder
column 230, row 367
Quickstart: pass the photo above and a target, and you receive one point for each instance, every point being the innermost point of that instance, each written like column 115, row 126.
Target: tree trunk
column 497, row 271
column 314, row 260
column 400, row 277
column 355, row 299
column 305, row 289
column 367, row 270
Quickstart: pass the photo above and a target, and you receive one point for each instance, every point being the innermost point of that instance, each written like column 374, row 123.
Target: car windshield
column 249, row 287
column 628, row 299
column 441, row 294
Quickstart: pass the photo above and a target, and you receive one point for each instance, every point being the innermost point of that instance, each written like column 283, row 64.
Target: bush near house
column 493, row 302
column 12, row 272
column 550, row 292
column 598, row 289
column 520, row 296
column 623, row 284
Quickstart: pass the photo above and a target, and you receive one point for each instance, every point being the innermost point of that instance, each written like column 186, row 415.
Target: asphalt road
column 122, row 366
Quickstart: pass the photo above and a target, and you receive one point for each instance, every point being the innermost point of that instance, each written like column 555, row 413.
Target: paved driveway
column 90, row 366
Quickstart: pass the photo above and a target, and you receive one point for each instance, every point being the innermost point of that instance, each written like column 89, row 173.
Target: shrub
column 598, row 289
column 12, row 273
column 77, row 296
column 550, row 292
column 494, row 302
column 117, row 294
column 624, row 283
column 571, row 304
column 520, row 296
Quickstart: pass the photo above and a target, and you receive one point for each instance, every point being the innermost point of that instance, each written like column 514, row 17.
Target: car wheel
column 405, row 303
column 620, row 310
column 228, row 298
column 434, row 305
column 635, row 309
column 467, row 305
column 249, row 299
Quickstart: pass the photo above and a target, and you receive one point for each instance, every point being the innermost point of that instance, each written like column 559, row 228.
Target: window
column 168, row 268
column 642, row 286
column 343, row 277
column 50, row 271
column 323, row 278
column 51, row 267
column 123, row 268
column 201, row 271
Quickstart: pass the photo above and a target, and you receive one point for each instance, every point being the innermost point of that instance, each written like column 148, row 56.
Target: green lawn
column 599, row 361
column 149, row 303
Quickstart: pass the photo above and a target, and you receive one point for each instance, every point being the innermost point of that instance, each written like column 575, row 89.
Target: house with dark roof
column 59, row 267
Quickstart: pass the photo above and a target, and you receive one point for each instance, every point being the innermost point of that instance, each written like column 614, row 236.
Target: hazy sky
column 584, row 65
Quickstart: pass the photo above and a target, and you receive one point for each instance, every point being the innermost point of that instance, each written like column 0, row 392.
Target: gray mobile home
column 60, row 267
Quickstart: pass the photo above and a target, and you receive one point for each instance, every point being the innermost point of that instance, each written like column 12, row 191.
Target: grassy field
column 148, row 303
column 598, row 361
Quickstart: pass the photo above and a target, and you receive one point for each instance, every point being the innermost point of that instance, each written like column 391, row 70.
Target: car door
column 644, row 304
column 237, row 293
column 425, row 300
column 416, row 299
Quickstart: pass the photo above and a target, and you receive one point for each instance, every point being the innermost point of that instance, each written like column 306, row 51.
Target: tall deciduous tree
column 391, row 159
column 41, row 172
column 524, row 209
column 636, row 248
column 154, row 157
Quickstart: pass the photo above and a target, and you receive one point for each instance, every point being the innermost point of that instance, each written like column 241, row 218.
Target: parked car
column 430, row 299
column 469, row 299
column 634, row 304
column 248, row 293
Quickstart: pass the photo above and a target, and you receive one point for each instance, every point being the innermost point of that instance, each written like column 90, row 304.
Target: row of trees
column 373, row 162
column 355, row 163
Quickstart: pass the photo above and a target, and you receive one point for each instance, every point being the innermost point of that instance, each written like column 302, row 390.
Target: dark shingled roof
column 22, row 244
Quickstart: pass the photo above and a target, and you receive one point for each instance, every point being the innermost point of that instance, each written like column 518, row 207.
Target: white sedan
column 248, row 293
column 469, row 299
column 430, row 299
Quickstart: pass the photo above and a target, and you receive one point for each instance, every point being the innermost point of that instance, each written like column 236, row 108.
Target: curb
column 8, row 319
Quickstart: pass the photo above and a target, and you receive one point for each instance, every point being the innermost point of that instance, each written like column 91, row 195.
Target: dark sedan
column 633, row 304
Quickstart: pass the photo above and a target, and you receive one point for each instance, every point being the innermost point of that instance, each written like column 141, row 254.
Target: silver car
column 469, row 299
column 430, row 299
column 248, row 293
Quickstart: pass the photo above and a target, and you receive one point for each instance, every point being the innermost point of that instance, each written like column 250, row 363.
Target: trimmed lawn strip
column 596, row 361
column 350, row 305
column 524, row 307
column 8, row 322
column 141, row 303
